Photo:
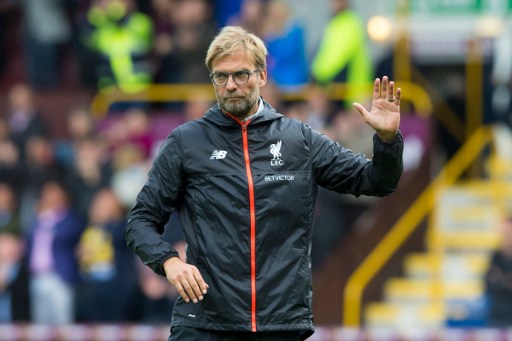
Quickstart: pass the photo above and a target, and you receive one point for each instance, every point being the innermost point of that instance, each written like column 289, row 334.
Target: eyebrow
column 231, row 71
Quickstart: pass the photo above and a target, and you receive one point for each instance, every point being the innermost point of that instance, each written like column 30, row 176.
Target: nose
column 231, row 84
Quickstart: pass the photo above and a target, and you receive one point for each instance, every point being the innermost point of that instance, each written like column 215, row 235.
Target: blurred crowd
column 63, row 205
column 132, row 43
column 63, row 200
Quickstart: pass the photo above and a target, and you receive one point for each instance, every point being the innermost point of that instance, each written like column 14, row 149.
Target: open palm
column 384, row 115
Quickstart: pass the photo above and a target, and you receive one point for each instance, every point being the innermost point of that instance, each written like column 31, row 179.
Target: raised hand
column 384, row 115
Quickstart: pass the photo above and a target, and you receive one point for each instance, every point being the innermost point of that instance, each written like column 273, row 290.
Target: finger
column 384, row 90
column 398, row 95
column 197, row 286
column 203, row 287
column 376, row 89
column 391, row 89
column 182, row 291
column 188, row 286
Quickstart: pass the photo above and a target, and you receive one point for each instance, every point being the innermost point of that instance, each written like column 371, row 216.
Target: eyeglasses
column 240, row 77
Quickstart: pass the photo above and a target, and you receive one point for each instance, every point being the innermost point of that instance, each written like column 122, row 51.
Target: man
column 120, row 37
column 343, row 54
column 243, row 179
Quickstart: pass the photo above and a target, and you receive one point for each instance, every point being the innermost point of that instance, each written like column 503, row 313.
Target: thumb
column 360, row 109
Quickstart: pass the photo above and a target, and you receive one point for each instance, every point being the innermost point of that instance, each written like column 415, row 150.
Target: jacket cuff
column 161, row 270
column 398, row 137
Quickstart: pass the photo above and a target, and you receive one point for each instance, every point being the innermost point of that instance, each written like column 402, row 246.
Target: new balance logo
column 218, row 154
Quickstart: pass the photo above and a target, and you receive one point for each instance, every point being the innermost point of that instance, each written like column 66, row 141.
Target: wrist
column 387, row 136
column 169, row 262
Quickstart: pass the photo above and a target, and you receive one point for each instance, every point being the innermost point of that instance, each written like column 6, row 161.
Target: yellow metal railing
column 161, row 93
column 154, row 93
column 407, row 224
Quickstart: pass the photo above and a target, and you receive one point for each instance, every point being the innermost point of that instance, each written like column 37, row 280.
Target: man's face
column 240, row 100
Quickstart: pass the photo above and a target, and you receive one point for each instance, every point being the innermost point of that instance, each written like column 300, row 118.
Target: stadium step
column 386, row 315
column 467, row 265
column 409, row 291
column 445, row 283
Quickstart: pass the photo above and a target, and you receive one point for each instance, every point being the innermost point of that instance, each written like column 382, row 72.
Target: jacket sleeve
column 341, row 170
column 155, row 202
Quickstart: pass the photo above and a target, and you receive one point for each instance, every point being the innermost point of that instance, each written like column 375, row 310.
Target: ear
column 263, row 77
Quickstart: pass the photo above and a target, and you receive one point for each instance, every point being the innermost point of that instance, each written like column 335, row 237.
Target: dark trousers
column 193, row 334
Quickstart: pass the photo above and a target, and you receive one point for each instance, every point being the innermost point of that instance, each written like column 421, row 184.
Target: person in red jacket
column 243, row 179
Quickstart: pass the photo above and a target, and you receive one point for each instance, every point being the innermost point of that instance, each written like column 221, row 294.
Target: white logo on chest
column 218, row 154
column 275, row 150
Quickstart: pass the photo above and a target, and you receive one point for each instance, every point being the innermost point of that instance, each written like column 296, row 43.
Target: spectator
column 9, row 157
column 343, row 55
column 91, row 171
column 87, row 59
column 287, row 64
column 14, row 288
column 319, row 110
column 498, row 279
column 162, row 14
column 37, row 167
column 250, row 16
column 80, row 125
column 106, row 292
column 23, row 115
column 347, row 129
column 181, row 51
column 133, row 127
column 137, row 125
column 122, row 38
column 9, row 210
column 129, row 172
column 225, row 10
column 47, row 30
column 52, row 256
column 14, row 292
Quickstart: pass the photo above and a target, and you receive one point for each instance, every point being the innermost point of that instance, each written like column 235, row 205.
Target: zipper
column 252, row 212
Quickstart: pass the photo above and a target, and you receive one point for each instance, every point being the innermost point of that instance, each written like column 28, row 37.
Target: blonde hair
column 232, row 39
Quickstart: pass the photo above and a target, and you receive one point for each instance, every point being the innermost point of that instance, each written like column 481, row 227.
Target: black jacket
column 245, row 194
